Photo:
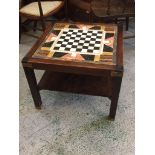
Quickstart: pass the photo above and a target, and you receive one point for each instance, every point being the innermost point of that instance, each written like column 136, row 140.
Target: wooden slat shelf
column 83, row 84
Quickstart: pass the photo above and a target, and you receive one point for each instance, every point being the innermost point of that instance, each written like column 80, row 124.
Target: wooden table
column 78, row 58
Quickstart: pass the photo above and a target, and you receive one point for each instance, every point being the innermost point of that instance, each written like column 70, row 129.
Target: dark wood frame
column 110, row 75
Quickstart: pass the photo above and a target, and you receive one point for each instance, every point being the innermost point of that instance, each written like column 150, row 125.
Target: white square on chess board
column 93, row 37
column 88, row 39
column 74, row 35
column 78, row 38
column 75, row 43
column 81, row 41
column 73, row 49
column 79, row 33
column 71, row 41
column 67, row 37
column 69, row 32
column 75, row 30
column 69, row 46
column 65, row 43
column 62, row 48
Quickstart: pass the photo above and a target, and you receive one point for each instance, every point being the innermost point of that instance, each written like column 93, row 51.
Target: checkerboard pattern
column 77, row 40
column 80, row 42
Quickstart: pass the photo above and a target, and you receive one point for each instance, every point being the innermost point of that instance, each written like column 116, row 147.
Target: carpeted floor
column 72, row 124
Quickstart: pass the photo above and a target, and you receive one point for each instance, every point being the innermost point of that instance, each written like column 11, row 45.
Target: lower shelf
column 82, row 84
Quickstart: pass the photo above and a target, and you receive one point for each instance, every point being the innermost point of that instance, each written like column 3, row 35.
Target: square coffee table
column 78, row 58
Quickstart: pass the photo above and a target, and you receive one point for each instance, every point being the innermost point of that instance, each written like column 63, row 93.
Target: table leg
column 30, row 75
column 116, row 84
column 66, row 10
column 127, row 23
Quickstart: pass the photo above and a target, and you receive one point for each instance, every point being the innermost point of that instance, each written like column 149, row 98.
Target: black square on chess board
column 83, row 41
